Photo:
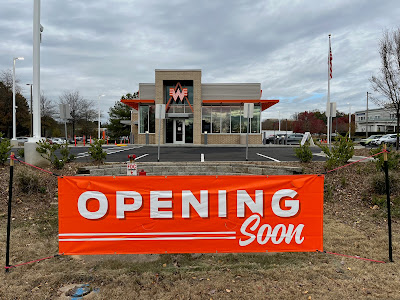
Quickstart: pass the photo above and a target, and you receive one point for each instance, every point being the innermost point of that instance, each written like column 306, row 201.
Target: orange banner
column 190, row 214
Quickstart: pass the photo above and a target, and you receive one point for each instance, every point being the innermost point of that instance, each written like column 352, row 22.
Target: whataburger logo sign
column 189, row 214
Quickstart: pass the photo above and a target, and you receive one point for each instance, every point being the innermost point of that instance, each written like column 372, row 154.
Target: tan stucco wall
column 134, row 128
column 142, row 138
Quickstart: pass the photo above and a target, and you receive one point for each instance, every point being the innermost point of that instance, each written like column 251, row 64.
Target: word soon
column 278, row 234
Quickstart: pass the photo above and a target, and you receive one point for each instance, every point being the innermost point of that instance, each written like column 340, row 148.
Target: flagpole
column 328, row 104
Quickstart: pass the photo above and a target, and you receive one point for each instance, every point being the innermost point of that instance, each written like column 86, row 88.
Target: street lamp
column 349, row 120
column 99, row 116
column 366, row 120
column 31, row 110
column 14, row 106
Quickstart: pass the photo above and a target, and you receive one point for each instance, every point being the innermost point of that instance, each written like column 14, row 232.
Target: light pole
column 366, row 120
column 31, row 110
column 279, row 118
column 99, row 116
column 349, row 120
column 14, row 106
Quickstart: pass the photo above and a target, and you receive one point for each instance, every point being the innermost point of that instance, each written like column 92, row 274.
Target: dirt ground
column 354, row 224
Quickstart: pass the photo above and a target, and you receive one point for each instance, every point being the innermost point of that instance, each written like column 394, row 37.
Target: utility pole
column 366, row 120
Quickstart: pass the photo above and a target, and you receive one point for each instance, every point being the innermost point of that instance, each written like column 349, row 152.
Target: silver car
column 387, row 139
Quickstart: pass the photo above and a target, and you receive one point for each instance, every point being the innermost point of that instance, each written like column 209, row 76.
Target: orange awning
column 134, row 103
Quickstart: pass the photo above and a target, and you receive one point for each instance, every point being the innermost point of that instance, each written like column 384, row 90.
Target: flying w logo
column 178, row 93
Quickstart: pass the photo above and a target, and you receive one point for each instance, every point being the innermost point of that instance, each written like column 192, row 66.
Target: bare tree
column 387, row 82
column 6, row 77
column 80, row 108
column 48, row 112
column 47, row 107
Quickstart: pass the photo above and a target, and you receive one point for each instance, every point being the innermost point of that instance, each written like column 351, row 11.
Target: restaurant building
column 196, row 112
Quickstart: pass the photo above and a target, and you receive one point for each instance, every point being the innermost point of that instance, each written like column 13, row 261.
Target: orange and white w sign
column 178, row 93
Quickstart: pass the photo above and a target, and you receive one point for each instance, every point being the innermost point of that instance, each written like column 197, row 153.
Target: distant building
column 195, row 109
column 379, row 120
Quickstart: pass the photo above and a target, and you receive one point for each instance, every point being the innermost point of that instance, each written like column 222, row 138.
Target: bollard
column 84, row 140
column 205, row 138
column 147, row 137
column 75, row 139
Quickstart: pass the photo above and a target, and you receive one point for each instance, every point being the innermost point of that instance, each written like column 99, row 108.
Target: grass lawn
column 354, row 224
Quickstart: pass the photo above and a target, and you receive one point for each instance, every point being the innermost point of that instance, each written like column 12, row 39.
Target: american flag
column 330, row 61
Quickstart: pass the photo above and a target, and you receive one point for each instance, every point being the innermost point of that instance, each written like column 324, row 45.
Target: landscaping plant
column 48, row 150
column 341, row 151
column 96, row 151
column 304, row 153
column 5, row 147
column 393, row 157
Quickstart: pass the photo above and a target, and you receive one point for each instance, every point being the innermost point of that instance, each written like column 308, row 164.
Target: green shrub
column 341, row 151
column 96, row 151
column 66, row 155
column 393, row 158
column 304, row 153
column 379, row 184
column 21, row 152
column 48, row 150
column 5, row 147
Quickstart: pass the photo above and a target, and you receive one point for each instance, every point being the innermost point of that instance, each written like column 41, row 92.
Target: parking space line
column 262, row 155
column 141, row 156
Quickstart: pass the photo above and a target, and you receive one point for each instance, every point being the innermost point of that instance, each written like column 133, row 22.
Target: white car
column 388, row 138
column 58, row 141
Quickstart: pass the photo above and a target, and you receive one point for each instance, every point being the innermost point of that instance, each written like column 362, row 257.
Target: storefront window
column 235, row 119
column 206, row 119
column 225, row 119
column 243, row 121
column 229, row 119
column 146, row 119
column 255, row 121
column 216, row 119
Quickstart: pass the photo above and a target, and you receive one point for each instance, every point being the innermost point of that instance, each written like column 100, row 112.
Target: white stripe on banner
column 150, row 233
column 177, row 238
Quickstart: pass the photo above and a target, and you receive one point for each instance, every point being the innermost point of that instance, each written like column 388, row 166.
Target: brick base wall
column 232, row 139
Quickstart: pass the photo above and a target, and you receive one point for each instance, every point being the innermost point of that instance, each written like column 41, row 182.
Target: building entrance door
column 179, row 131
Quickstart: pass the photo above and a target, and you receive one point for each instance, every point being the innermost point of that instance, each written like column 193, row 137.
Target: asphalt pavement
column 147, row 153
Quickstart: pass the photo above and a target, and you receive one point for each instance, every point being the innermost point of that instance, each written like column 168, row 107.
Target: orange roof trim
column 134, row 103
column 264, row 103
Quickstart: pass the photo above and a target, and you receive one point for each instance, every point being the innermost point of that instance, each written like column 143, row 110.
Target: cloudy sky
column 108, row 47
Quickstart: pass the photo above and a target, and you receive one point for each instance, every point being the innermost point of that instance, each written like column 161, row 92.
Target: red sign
column 190, row 214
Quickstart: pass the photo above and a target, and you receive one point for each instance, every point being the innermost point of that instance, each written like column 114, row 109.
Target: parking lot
column 276, row 153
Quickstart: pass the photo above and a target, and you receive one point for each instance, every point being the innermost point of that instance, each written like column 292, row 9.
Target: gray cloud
column 108, row 47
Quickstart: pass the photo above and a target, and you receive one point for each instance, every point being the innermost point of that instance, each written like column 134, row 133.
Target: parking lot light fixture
column 349, row 120
column 14, row 105
column 99, row 116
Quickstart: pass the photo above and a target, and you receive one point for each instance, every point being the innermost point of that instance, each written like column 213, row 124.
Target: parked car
column 384, row 139
column 367, row 141
column 22, row 139
column 58, row 141
column 269, row 139
column 294, row 138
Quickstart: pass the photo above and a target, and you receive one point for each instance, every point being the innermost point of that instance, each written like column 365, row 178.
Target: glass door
column 179, row 131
